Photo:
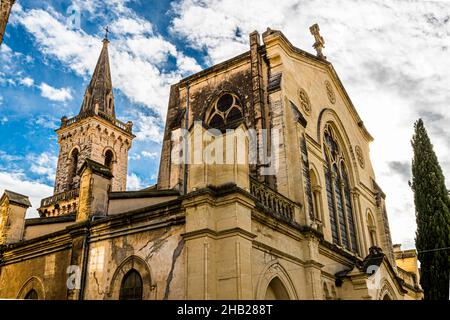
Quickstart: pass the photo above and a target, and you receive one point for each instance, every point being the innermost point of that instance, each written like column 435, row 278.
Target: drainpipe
column 85, row 260
column 186, row 144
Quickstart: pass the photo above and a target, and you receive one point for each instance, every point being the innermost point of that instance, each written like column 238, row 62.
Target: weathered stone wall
column 232, row 76
column 34, row 231
column 160, row 251
column 12, row 222
column 45, row 273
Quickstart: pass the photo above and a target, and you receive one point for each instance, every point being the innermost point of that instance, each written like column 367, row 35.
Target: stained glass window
column 340, row 207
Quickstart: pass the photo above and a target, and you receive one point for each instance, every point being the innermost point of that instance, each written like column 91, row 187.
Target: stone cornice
column 219, row 234
column 36, row 247
column 141, row 194
column 50, row 220
column 216, row 68
column 86, row 119
column 121, row 228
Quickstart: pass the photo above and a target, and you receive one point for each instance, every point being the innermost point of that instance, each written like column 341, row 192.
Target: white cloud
column 136, row 58
column 391, row 56
column 134, row 156
column 8, row 157
column 34, row 190
column 151, row 155
column 43, row 164
column 148, row 128
column 46, row 121
column 27, row 81
column 133, row 182
column 55, row 94
column 131, row 26
column 96, row 8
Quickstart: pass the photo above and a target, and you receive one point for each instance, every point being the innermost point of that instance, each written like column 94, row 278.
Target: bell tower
column 93, row 134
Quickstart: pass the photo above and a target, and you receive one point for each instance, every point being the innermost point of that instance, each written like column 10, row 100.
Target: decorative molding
column 360, row 157
column 138, row 264
column 275, row 270
column 304, row 101
column 330, row 92
column 34, row 283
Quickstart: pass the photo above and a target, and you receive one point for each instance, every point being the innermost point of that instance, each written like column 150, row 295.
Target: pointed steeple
column 99, row 94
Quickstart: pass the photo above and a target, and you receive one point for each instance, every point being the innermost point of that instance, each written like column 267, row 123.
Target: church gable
column 310, row 82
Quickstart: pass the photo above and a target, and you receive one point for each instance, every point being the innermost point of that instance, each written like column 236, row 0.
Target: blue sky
column 39, row 86
column 392, row 57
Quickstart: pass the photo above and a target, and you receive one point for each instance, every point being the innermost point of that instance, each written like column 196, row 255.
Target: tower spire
column 99, row 94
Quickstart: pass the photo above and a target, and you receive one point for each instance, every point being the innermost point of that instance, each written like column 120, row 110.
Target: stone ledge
column 49, row 220
column 141, row 194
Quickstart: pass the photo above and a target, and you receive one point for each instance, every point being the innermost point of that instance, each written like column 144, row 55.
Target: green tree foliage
column 432, row 216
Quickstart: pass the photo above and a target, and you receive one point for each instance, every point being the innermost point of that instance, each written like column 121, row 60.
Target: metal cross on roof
column 106, row 32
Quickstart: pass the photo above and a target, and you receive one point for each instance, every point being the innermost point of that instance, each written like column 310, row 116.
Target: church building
column 265, row 191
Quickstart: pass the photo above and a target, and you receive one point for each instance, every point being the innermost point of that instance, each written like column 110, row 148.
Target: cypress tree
column 432, row 204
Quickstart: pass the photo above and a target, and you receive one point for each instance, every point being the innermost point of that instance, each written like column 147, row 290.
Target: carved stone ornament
column 359, row 156
column 304, row 101
column 330, row 92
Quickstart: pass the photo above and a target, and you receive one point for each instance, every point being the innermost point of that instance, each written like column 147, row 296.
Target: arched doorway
column 276, row 290
column 386, row 297
column 31, row 295
column 131, row 287
column 33, row 289
column 132, row 279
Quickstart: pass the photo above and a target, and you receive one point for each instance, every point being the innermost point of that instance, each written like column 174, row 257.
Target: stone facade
column 306, row 222
column 5, row 10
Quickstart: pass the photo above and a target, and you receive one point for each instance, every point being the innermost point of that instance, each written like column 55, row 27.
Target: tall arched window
column 31, row 295
column 316, row 193
column 73, row 167
column 226, row 112
column 109, row 158
column 372, row 230
column 131, row 287
column 340, row 207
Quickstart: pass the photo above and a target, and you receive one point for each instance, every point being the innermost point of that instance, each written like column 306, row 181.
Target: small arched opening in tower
column 73, row 168
column 109, row 159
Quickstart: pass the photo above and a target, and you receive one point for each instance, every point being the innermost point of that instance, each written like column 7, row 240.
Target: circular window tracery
column 226, row 111
column 304, row 101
